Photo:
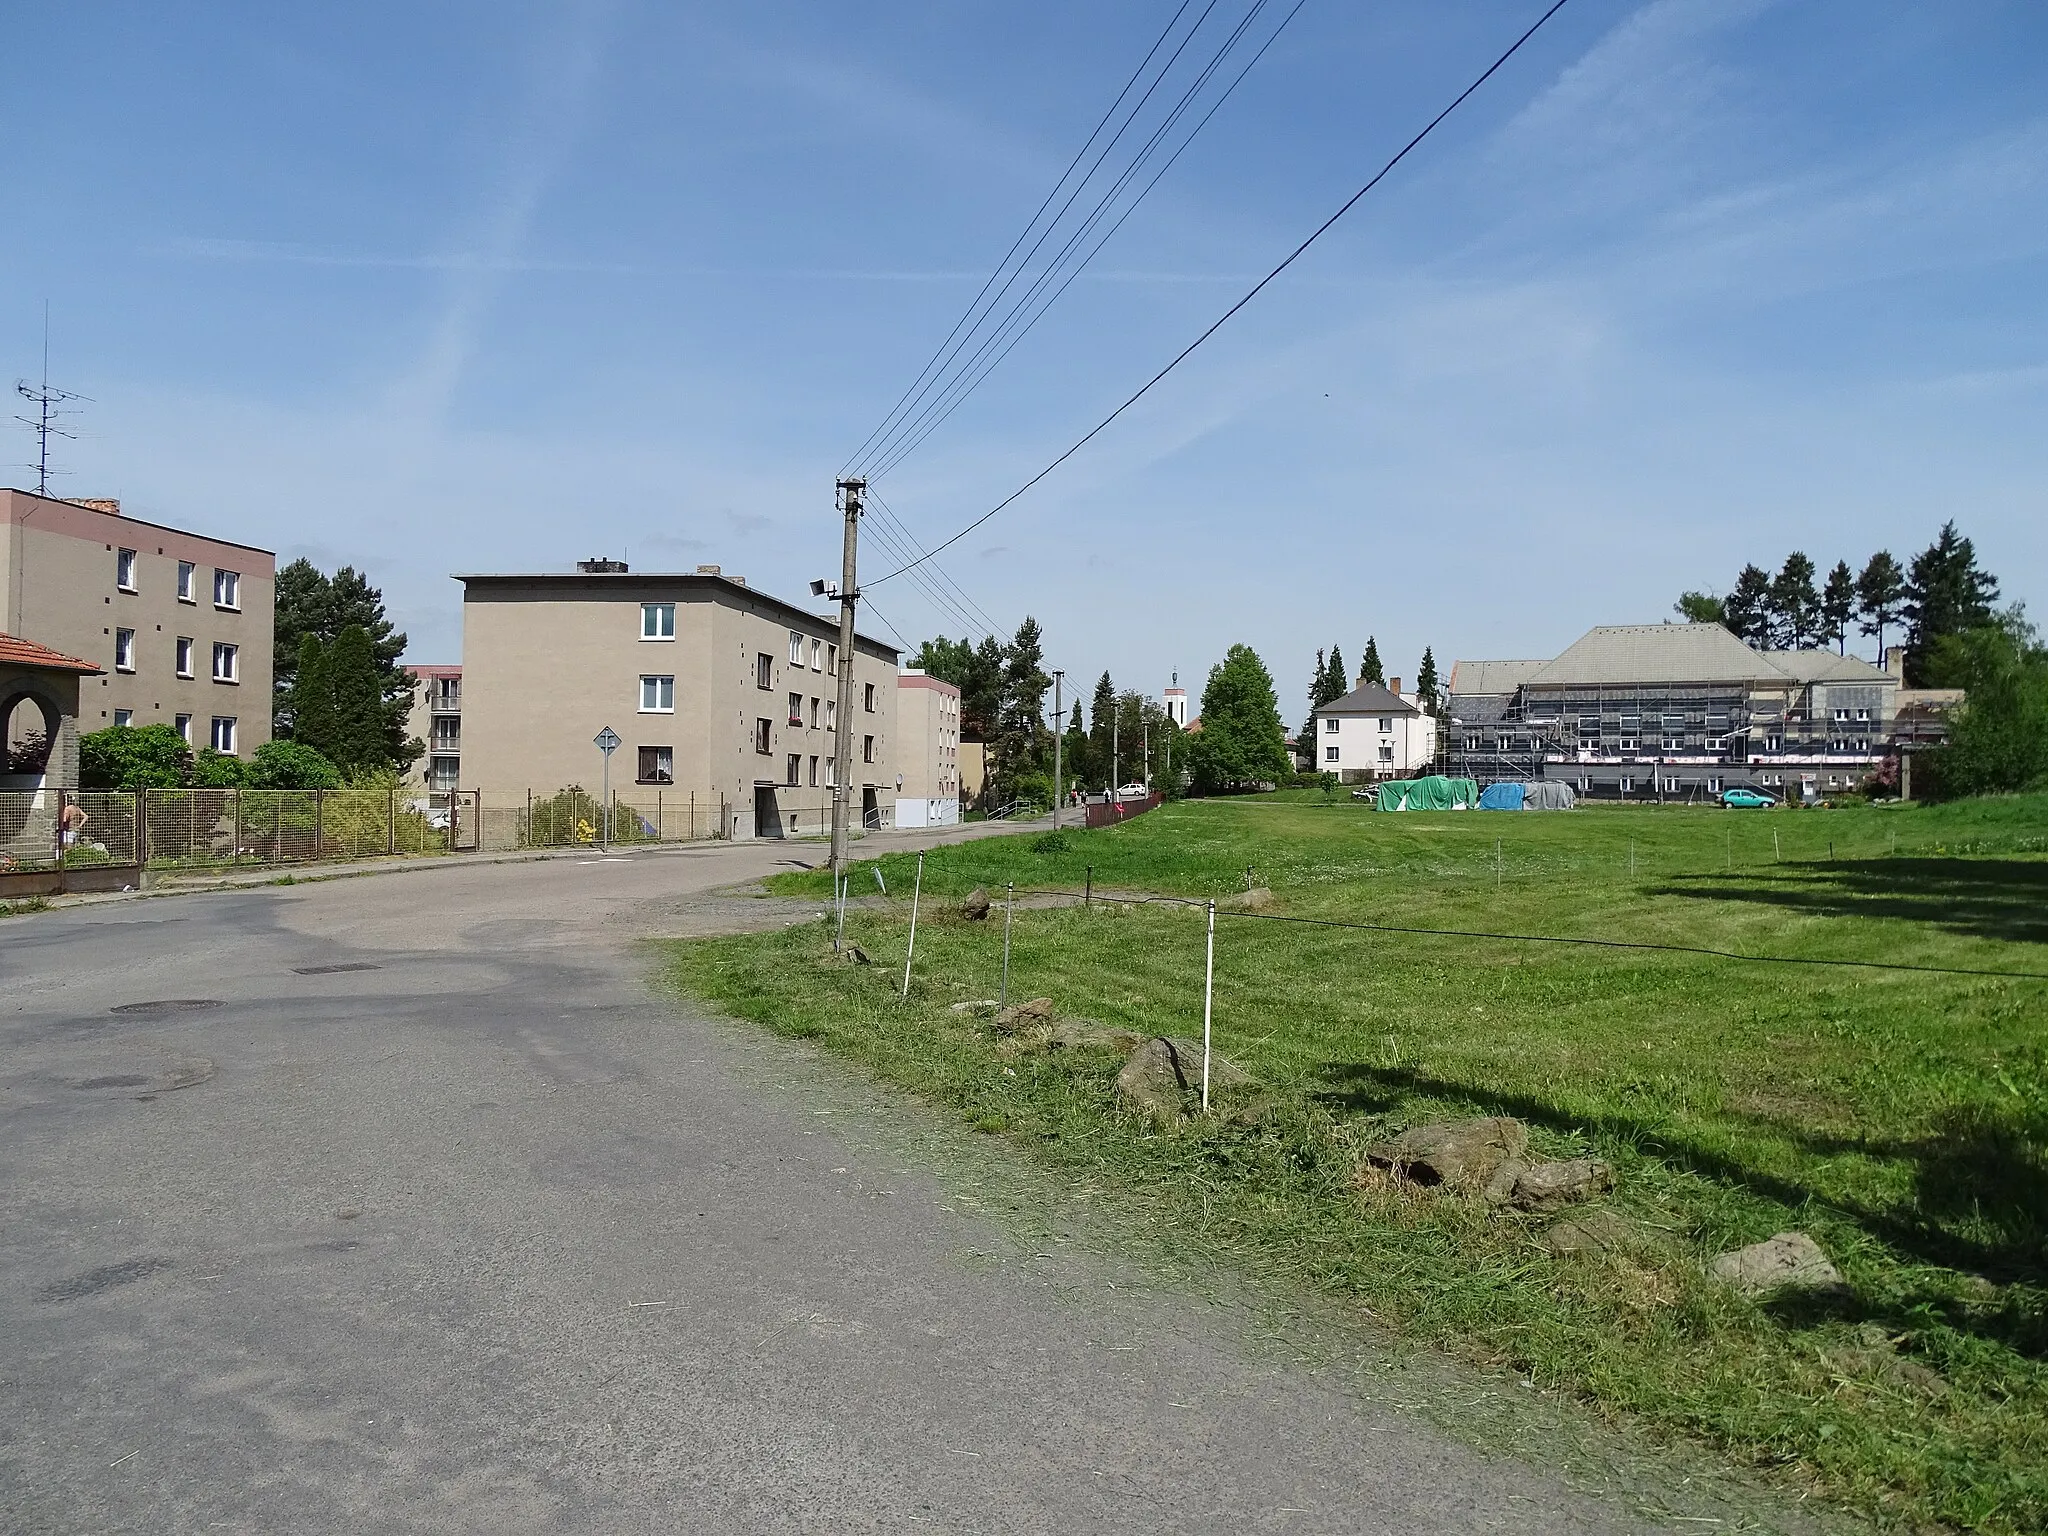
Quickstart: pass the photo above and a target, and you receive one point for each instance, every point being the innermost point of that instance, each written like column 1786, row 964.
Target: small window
column 124, row 717
column 817, row 655
column 1862, row 716
column 227, row 590
column 814, row 714
column 1628, row 784
column 796, row 649
column 124, row 650
column 1386, row 723
column 188, row 581
column 1674, row 743
column 447, row 734
column 657, row 765
column 1774, row 742
column 1386, row 753
column 226, row 662
column 762, row 739
column 657, row 695
column 444, row 772
column 814, row 773
column 1842, row 717
column 184, row 729
column 124, row 569
column 1471, row 743
column 1713, row 786
column 831, row 771
column 1332, row 753
column 867, row 749
column 832, row 658
column 831, row 714
column 796, row 709
column 1330, row 725
column 657, row 621
column 764, row 670
column 184, row 655
column 796, row 765
column 869, row 696
column 223, row 733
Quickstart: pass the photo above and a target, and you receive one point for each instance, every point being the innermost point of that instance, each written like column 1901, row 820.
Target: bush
column 133, row 757
column 1053, row 842
column 291, row 765
column 1032, row 789
column 217, row 770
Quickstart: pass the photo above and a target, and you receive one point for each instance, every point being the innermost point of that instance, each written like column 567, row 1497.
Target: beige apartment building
column 715, row 690
column 928, row 750
column 436, row 719
column 180, row 623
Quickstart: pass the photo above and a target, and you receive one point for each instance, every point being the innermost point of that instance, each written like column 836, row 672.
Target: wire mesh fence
column 573, row 816
column 55, row 829
column 199, row 828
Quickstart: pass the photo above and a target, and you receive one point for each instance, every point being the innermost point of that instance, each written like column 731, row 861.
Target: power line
column 1253, row 293
column 1007, row 333
column 946, row 579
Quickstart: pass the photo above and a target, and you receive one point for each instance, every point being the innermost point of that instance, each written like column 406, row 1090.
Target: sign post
column 607, row 742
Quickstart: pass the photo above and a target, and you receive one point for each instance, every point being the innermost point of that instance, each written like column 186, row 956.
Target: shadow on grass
column 1980, row 1192
column 1982, row 898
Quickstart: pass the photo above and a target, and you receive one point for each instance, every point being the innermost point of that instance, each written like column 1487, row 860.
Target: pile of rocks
column 1486, row 1157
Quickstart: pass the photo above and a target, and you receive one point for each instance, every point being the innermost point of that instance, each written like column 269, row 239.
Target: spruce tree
column 361, row 733
column 1945, row 594
column 1795, row 605
column 1101, row 713
column 1838, row 604
column 311, row 700
column 1748, row 607
column 1370, row 670
column 1426, row 684
column 1880, row 597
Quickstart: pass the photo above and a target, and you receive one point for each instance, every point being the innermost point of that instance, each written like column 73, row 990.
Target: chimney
column 106, row 504
column 1895, row 660
column 602, row 566
column 710, row 570
column 1394, row 686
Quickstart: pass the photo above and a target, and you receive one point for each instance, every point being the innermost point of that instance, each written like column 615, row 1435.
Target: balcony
column 445, row 697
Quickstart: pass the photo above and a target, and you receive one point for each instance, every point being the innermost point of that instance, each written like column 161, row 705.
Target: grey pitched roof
column 1659, row 653
column 1369, row 699
column 1827, row 667
column 1486, row 677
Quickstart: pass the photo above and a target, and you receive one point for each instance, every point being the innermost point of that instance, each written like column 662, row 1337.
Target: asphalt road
column 438, row 1218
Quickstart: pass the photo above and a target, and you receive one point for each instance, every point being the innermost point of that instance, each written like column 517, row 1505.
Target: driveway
column 404, row 1204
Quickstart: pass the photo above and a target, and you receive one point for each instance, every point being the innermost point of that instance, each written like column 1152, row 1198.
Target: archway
column 29, row 724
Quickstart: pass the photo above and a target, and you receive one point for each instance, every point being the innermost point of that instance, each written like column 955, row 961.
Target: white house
column 1374, row 733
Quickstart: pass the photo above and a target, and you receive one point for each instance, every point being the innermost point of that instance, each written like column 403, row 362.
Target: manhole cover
column 169, row 1005
column 335, row 970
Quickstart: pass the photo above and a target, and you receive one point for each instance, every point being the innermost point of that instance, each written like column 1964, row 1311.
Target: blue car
column 1746, row 800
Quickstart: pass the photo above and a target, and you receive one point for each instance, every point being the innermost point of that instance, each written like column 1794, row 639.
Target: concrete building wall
column 39, row 701
column 60, row 586
column 549, row 661
column 928, row 756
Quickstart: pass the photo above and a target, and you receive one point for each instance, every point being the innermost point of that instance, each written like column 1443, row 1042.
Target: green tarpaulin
column 1434, row 793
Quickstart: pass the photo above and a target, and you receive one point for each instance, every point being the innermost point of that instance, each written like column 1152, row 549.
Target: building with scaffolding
column 1672, row 712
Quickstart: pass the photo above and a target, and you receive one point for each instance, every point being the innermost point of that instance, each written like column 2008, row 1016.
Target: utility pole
column 1148, row 756
column 850, row 492
column 1059, row 736
column 1115, row 759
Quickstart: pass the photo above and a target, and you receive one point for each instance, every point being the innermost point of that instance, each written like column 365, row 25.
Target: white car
column 1132, row 792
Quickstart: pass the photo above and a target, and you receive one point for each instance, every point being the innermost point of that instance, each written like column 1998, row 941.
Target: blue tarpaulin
column 1502, row 797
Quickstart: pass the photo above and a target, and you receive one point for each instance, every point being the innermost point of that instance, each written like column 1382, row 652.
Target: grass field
column 1897, row 1115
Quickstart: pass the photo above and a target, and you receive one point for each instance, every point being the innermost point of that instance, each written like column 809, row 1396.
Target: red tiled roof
column 26, row 653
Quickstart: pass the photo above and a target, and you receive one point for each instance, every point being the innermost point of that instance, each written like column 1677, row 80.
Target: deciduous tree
column 1242, row 741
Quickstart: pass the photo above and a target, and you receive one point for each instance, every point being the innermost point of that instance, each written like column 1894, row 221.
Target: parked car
column 1132, row 792
column 1746, row 800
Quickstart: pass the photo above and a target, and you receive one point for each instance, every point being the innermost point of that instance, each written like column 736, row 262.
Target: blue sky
column 457, row 286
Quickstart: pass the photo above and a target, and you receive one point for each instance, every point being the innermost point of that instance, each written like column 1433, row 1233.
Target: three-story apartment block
column 181, row 623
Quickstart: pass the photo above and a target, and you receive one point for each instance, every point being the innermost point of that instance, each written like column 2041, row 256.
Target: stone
column 1161, row 1073
column 1589, row 1232
column 978, row 1005
column 1091, row 1035
column 1789, row 1261
column 1548, row 1186
column 1257, row 899
column 1024, row 1015
column 1465, row 1156
column 855, row 955
column 976, row 905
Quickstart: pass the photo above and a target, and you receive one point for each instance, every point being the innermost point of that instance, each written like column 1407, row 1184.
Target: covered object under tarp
column 1539, row 795
column 1434, row 793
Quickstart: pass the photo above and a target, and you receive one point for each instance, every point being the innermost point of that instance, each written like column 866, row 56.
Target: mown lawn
column 1897, row 1115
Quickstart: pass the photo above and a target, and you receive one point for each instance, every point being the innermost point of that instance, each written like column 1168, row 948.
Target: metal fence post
column 319, row 821
column 57, row 835
column 1208, row 1001
column 1088, row 895
column 526, row 839
column 1009, row 907
column 236, row 857
column 391, row 820
column 141, row 828
column 910, row 949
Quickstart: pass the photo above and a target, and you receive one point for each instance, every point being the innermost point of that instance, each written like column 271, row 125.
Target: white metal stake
column 839, row 933
column 1208, row 1002
column 1009, row 906
column 916, row 891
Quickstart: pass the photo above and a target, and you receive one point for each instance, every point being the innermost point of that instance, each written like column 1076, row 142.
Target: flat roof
column 610, row 584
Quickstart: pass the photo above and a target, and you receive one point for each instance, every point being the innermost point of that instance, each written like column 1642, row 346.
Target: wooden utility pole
column 850, row 492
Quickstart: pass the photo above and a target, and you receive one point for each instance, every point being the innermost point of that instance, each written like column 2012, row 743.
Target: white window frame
column 227, row 590
column 183, row 726
column 1332, row 753
column 222, row 737
column 796, row 649
column 796, row 709
column 1386, row 751
column 657, row 621
column 1628, row 783
column 1386, row 725
column 867, row 749
column 124, row 717
column 831, row 714
column 664, row 762
column 188, row 581
column 657, row 694
column 793, row 774
column 1330, row 724
column 124, row 650
column 817, row 655
column 182, row 652
column 231, row 655
column 832, row 657
column 124, row 570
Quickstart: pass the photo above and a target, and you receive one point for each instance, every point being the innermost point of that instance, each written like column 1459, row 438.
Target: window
column 223, row 733
column 124, row 569
column 831, row 714
column 188, row 579
column 1673, row 743
column 796, row 709
column 1386, row 752
column 443, row 772
column 1841, row 717
column 762, row 741
column 832, row 658
column 869, row 698
column 817, row 655
column 1671, row 786
column 796, row 649
column 796, row 765
column 814, row 773
column 1471, row 743
column 657, row 765
column 124, row 650
column 124, row 717
column 1332, row 753
column 226, row 662
column 814, row 714
column 1628, row 784
column 1585, row 786
column 227, row 589
column 831, row 771
column 657, row 621
column 1386, row 724
column 1330, row 723
column 867, row 749
column 184, row 655
column 184, row 729
column 1773, row 742
column 1713, row 786
column 764, row 670
column 1589, row 733
column 447, row 734
column 1862, row 717
column 657, row 695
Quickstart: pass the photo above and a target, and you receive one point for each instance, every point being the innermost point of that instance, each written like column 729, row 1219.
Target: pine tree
column 1101, row 715
column 1838, row 604
column 1795, row 605
column 1426, row 681
column 1370, row 670
column 1075, row 750
column 1748, row 607
column 1880, row 597
column 1945, row 594
column 1020, row 724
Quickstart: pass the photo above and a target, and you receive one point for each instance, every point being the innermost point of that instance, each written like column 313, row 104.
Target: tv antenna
column 49, row 404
